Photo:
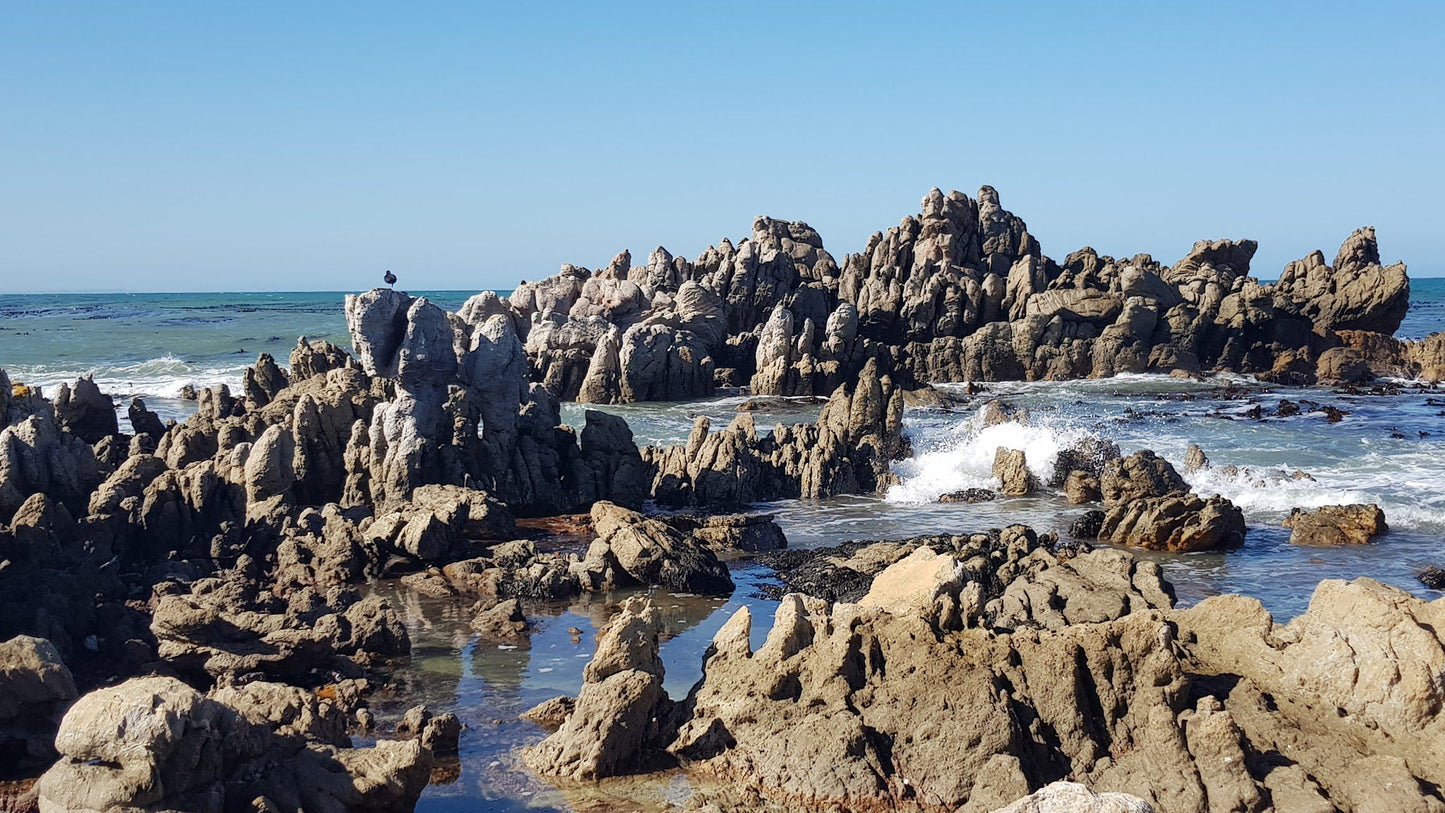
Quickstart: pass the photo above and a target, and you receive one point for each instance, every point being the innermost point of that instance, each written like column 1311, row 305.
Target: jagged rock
column 263, row 382
column 501, row 621
column 312, row 358
column 766, row 708
column 143, row 421
column 731, row 532
column 1011, row 468
column 620, row 717
column 653, row 553
column 1349, row 684
column 439, row 523
column 156, row 744
column 1336, row 525
column 1195, row 459
column 437, row 733
column 221, row 629
column 1175, row 522
column 290, row 712
column 37, row 457
column 848, row 450
column 662, row 363
column 617, row 470
column 35, row 689
column 1356, row 293
column 1138, row 476
column 84, row 412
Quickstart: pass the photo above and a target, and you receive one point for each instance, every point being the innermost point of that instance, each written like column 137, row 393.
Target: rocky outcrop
column 778, row 719
column 156, row 744
column 464, row 414
column 1140, row 475
column 1336, row 525
column 38, row 457
column 1097, row 696
column 1356, row 293
column 731, row 533
column 263, row 382
column 439, row 524
column 632, row 549
column 1011, row 468
column 848, row 450
column 310, row 358
column 35, row 689
column 620, row 718
column 1176, row 522
column 960, row 291
column 222, row 628
column 84, row 412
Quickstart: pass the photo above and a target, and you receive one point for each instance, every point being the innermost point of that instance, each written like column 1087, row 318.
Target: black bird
column 390, row 278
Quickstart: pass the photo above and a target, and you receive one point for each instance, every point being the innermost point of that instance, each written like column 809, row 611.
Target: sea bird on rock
column 390, row 278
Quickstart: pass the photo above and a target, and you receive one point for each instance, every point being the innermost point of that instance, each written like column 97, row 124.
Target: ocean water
column 1389, row 450
column 152, row 345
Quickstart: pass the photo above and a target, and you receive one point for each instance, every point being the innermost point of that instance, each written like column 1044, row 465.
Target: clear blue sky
column 281, row 146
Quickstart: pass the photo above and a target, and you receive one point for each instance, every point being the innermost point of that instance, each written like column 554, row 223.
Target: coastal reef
column 200, row 613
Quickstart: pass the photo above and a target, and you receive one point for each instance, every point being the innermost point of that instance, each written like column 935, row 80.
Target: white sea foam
column 961, row 456
column 161, row 377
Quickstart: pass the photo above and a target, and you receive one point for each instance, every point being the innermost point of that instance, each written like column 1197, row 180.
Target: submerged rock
column 501, row 621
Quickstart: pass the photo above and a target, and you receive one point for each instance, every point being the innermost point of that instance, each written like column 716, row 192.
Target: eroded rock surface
column 1336, row 525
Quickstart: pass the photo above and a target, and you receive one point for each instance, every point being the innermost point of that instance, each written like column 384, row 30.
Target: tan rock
column 1336, row 525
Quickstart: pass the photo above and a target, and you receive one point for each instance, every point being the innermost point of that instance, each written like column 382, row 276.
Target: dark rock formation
column 646, row 551
column 35, row 689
